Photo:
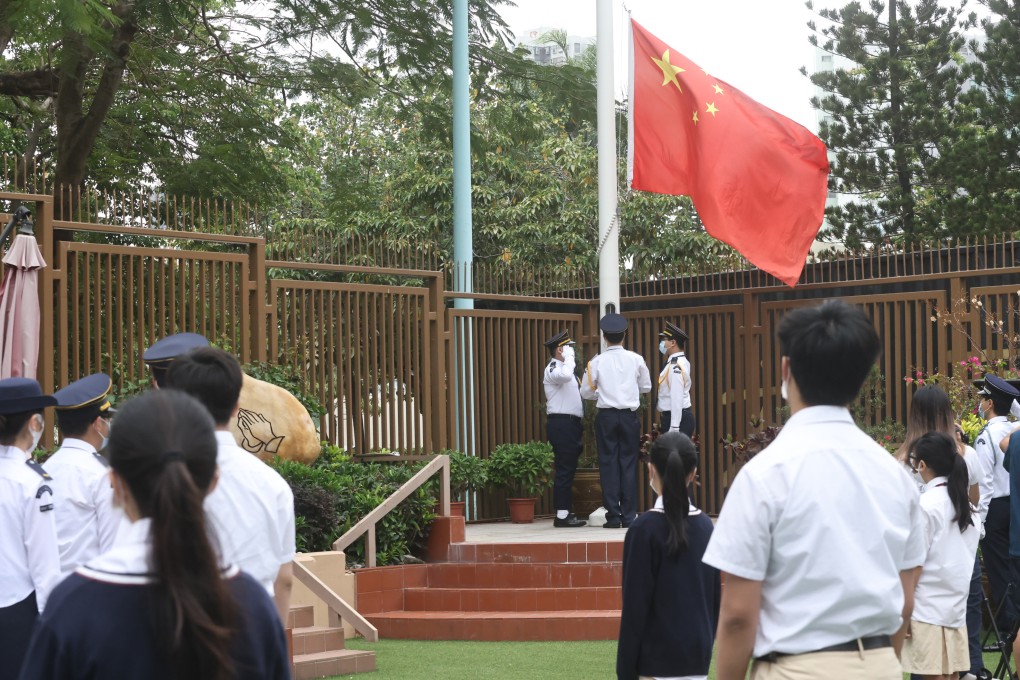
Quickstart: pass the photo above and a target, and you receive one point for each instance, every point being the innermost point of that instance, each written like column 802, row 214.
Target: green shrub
column 523, row 470
column 467, row 473
column 335, row 493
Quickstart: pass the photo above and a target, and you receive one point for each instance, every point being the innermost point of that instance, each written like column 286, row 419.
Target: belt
column 861, row 644
column 621, row 410
column 563, row 415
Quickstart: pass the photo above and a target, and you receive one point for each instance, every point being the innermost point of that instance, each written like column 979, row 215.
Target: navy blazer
column 670, row 603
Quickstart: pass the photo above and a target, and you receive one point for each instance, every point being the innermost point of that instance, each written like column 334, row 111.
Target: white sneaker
column 968, row 676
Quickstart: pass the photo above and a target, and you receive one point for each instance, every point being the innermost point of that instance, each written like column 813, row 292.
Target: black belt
column 563, row 415
column 621, row 410
column 874, row 642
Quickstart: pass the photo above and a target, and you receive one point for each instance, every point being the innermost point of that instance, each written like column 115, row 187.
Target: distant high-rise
column 549, row 53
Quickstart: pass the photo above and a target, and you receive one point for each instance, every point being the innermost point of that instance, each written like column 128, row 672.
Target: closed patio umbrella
column 19, row 305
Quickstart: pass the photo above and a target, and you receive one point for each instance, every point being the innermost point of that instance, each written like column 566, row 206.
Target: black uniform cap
column 19, row 395
column 88, row 397
column 613, row 323
column 169, row 348
column 558, row 340
column 997, row 388
column 673, row 332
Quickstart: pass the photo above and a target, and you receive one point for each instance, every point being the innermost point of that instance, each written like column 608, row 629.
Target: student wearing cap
column 564, row 411
column 674, row 401
column 616, row 379
column 85, row 516
column 822, row 535
column 29, row 558
column 994, row 401
column 163, row 352
column 251, row 509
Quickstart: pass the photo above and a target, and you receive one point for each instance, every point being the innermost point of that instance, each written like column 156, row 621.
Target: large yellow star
column 711, row 109
column 669, row 70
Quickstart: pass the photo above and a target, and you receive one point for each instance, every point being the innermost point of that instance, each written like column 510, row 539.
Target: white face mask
column 662, row 346
column 36, row 434
column 783, row 392
column 106, row 437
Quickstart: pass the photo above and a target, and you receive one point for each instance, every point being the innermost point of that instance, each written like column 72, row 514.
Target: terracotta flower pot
column 522, row 510
column 457, row 508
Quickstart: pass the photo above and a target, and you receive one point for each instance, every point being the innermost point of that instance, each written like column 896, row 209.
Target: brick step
column 301, row 617
column 589, row 551
column 328, row 664
column 499, row 625
column 315, row 639
column 512, row 599
column 523, row 575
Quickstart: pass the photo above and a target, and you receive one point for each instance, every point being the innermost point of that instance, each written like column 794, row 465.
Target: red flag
column 757, row 179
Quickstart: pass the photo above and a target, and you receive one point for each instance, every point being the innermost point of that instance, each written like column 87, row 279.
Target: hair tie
column 170, row 456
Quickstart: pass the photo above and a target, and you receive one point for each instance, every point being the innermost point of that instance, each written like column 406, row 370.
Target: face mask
column 106, row 437
column 662, row 346
column 36, row 434
column 782, row 391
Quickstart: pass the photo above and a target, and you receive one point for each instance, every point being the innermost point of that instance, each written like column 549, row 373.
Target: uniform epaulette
column 101, row 458
column 39, row 469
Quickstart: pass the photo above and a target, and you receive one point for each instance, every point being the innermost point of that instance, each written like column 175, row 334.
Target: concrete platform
column 540, row 531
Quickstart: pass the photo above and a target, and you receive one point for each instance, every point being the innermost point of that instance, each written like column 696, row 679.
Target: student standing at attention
column 670, row 598
column 821, row 535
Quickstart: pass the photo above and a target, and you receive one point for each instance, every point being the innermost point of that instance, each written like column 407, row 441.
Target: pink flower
column 908, row 380
column 963, row 363
column 888, row 437
column 919, row 374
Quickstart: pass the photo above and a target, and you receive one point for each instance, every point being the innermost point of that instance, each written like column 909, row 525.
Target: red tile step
column 511, row 599
column 594, row 551
column 525, row 575
column 319, row 652
column 499, row 625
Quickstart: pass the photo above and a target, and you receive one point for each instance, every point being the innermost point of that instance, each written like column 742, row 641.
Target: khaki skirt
column 935, row 650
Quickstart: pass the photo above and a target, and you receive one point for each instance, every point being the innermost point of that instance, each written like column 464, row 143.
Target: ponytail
column 164, row 447
column 959, row 493
column 674, row 458
column 939, row 452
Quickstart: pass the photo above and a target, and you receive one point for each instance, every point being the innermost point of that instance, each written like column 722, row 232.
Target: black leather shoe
column 613, row 524
column 569, row 522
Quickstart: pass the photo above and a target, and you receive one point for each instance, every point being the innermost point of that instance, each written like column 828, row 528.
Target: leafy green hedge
column 335, row 492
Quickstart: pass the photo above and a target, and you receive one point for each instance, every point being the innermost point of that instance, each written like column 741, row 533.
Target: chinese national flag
column 757, row 179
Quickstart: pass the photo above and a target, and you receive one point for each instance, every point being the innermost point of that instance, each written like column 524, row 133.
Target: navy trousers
column 686, row 421
column 974, row 616
column 995, row 550
column 565, row 432
column 16, row 623
column 618, row 434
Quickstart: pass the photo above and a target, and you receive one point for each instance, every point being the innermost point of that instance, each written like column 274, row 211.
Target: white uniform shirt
column 29, row 558
column 675, row 388
column 561, row 388
column 941, row 595
column 252, row 513
column 826, row 519
column 987, row 446
column 86, row 520
column 616, row 378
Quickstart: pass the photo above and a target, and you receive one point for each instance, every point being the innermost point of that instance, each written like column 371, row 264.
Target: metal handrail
column 335, row 603
column 441, row 464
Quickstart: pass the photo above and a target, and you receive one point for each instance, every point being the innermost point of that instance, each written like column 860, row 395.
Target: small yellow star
column 669, row 71
column 711, row 109
column 695, row 117
column 704, row 70
column 718, row 90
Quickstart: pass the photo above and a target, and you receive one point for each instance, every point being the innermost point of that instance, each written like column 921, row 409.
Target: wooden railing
column 441, row 464
column 338, row 607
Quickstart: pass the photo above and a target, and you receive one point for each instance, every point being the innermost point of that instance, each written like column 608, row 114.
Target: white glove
column 568, row 352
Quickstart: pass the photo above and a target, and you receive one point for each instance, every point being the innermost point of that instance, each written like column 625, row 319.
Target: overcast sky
column 757, row 46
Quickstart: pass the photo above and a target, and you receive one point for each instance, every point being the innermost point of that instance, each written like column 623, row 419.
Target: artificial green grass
column 455, row 660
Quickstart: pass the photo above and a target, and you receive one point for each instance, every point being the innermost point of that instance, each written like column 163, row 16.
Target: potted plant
column 467, row 474
column 524, row 471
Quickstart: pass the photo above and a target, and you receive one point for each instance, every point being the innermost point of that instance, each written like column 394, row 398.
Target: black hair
column 12, row 424
column 939, row 452
column 615, row 338
column 831, row 348
column 163, row 446
column 210, row 375
column 76, row 422
column 159, row 375
column 1001, row 405
column 552, row 350
column 674, row 457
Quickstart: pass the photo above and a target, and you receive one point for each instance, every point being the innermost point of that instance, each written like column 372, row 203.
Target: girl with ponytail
column 158, row 605
column 936, row 646
column 670, row 598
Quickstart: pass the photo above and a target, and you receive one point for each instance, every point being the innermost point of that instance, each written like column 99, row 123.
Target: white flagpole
column 609, row 228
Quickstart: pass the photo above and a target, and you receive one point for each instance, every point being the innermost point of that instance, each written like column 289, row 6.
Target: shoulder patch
column 981, row 440
column 39, row 470
column 43, row 489
column 101, row 458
